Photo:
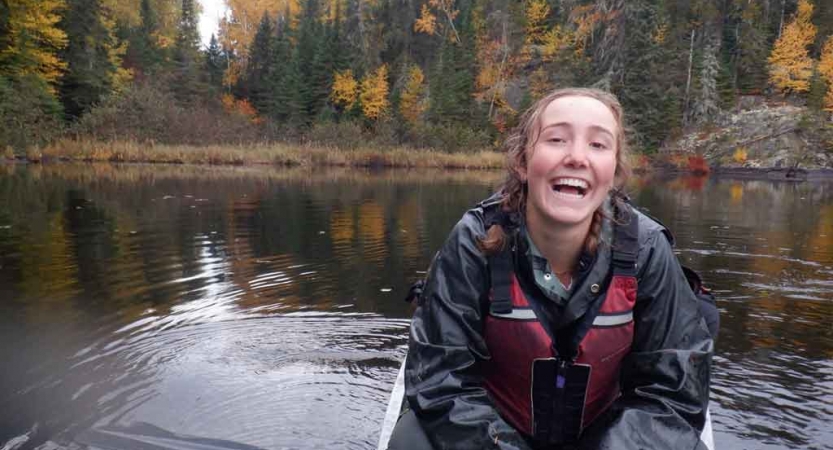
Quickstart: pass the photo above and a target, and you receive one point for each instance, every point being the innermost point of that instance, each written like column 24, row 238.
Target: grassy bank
column 270, row 154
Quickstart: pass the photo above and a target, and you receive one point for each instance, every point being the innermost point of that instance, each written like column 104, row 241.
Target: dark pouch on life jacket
column 559, row 388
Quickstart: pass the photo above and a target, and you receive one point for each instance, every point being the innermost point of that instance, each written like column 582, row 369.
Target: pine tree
column 453, row 79
column 144, row 49
column 752, row 47
column 302, row 97
column 790, row 66
column 91, row 69
column 280, row 73
column 817, row 91
column 215, row 63
column 706, row 104
column 322, row 67
column 648, row 89
column 188, row 85
column 260, row 63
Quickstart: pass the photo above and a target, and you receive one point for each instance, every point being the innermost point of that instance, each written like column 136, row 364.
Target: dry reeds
column 271, row 154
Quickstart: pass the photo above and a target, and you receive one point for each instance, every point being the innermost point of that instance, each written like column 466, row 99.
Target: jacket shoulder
column 650, row 227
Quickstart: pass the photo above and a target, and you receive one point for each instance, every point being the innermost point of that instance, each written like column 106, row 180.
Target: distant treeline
column 450, row 74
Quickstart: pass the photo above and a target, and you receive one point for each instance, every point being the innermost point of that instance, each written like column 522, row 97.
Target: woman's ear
column 520, row 170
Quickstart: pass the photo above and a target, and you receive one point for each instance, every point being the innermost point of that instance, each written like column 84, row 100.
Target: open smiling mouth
column 570, row 187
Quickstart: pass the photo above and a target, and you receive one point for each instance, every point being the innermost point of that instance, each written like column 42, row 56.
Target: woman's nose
column 577, row 154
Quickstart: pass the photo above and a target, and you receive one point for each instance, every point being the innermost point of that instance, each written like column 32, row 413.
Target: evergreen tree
column 297, row 91
column 279, row 78
column 144, row 50
column 260, row 62
column 817, row 91
column 322, row 67
column 648, row 89
column 215, row 63
column 452, row 81
column 91, row 68
column 302, row 104
column 706, row 104
column 188, row 85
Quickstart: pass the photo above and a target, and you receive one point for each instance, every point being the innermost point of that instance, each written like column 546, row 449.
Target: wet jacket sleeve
column 665, row 380
column 442, row 380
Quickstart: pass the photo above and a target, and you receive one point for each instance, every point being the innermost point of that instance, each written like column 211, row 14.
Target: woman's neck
column 560, row 244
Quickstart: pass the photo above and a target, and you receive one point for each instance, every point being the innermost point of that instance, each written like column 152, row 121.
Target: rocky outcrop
column 782, row 137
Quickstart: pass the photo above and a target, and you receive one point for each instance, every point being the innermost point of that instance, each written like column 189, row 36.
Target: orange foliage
column 240, row 107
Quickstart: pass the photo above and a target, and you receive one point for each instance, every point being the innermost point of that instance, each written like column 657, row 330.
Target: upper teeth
column 575, row 182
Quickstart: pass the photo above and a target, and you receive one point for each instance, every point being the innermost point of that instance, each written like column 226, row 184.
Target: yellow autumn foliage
column 427, row 21
column 411, row 105
column 557, row 40
column 34, row 40
column 536, row 13
column 345, row 89
column 825, row 69
column 740, row 155
column 790, row 65
column 374, row 93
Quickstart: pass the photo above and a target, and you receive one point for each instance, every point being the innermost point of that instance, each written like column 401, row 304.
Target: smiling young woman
column 556, row 315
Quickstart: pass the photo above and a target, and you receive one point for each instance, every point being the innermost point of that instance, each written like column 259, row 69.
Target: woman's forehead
column 579, row 111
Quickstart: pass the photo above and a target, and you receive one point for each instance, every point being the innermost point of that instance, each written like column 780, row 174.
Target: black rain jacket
column 665, row 378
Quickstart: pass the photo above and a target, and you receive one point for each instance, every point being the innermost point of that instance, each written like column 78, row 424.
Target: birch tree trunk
column 688, row 79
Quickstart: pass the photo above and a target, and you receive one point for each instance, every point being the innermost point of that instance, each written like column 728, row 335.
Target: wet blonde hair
column 521, row 142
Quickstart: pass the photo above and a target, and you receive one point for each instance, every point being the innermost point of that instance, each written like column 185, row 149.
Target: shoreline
column 311, row 156
column 264, row 154
column 751, row 173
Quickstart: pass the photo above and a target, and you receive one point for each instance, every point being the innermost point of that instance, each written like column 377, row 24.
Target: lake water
column 264, row 306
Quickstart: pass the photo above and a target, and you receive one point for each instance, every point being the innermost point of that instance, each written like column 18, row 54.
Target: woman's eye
column 556, row 140
column 598, row 145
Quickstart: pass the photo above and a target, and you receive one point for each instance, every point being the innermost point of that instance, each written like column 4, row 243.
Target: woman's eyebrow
column 558, row 124
column 601, row 129
column 596, row 128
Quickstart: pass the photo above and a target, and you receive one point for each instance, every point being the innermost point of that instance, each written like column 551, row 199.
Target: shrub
column 740, row 155
column 698, row 165
column 450, row 138
column 148, row 113
column 29, row 114
column 346, row 135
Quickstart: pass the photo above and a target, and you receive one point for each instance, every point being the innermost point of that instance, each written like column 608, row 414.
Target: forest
column 452, row 75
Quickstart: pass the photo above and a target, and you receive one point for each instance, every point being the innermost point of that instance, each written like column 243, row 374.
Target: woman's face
column 572, row 165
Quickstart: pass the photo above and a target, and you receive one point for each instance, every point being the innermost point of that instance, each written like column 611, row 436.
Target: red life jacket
column 516, row 338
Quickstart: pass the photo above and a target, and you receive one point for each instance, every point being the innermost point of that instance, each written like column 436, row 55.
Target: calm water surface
column 263, row 307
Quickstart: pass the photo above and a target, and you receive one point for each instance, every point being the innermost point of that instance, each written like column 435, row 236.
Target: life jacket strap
column 501, row 268
column 625, row 246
